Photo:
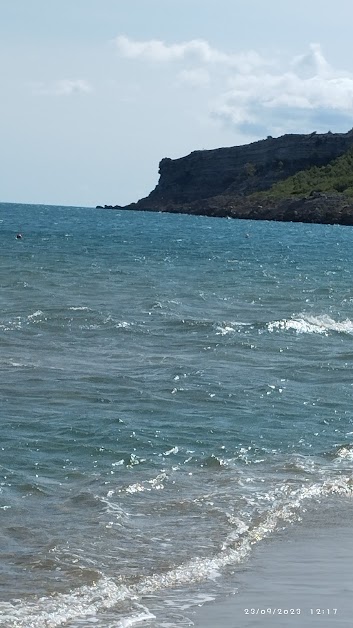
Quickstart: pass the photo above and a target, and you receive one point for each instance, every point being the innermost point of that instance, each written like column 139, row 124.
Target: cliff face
column 239, row 171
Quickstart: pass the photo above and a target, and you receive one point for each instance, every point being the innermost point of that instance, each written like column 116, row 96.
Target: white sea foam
column 18, row 322
column 80, row 308
column 230, row 328
column 35, row 315
column 173, row 450
column 121, row 325
column 156, row 484
column 307, row 324
column 49, row 612
column 15, row 324
column 135, row 488
column 119, row 463
column 90, row 600
column 285, row 506
column 344, row 452
column 223, row 330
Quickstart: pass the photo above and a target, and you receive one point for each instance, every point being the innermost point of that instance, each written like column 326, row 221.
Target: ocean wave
column 342, row 452
column 88, row 601
column 190, row 324
column 35, row 315
column 18, row 322
column 298, row 464
column 13, row 325
column 154, row 484
column 57, row 610
column 80, row 308
column 214, row 462
column 81, row 317
column 307, row 324
column 173, row 450
column 223, row 329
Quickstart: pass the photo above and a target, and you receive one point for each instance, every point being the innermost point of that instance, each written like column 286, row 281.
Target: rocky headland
column 299, row 178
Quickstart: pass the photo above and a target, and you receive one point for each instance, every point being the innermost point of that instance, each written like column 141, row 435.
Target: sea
column 176, row 392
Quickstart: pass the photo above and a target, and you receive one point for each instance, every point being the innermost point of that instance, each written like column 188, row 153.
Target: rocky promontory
column 301, row 178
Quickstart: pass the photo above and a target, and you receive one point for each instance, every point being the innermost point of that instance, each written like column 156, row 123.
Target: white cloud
column 196, row 50
column 64, row 87
column 311, row 93
column 311, row 63
column 253, row 94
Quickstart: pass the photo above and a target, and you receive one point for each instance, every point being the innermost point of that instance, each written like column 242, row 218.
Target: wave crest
column 90, row 600
column 307, row 324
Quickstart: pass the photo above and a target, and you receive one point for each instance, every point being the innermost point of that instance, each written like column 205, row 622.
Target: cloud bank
column 253, row 94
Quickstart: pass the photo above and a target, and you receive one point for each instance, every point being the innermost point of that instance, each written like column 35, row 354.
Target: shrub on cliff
column 336, row 176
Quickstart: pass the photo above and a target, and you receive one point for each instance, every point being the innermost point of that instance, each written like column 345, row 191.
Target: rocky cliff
column 219, row 182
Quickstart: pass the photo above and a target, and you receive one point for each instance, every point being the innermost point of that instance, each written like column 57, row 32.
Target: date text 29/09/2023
column 290, row 611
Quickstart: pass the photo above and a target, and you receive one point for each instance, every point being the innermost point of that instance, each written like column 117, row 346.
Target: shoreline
column 317, row 208
column 305, row 570
column 292, row 178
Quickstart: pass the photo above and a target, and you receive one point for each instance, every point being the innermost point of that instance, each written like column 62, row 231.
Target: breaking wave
column 90, row 600
column 307, row 324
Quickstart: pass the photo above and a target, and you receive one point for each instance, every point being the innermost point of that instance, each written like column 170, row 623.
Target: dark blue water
column 174, row 390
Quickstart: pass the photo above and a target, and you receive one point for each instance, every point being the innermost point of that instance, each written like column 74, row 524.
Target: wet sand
column 302, row 578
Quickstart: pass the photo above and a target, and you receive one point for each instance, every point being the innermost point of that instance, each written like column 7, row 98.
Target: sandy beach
column 301, row 578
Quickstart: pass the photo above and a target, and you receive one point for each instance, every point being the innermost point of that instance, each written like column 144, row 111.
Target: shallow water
column 299, row 577
column 174, row 389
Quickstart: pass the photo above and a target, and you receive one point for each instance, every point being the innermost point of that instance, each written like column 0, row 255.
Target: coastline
column 291, row 178
column 306, row 568
column 317, row 208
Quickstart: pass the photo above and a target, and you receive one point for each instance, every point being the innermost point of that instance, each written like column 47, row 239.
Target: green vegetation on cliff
column 294, row 177
column 335, row 177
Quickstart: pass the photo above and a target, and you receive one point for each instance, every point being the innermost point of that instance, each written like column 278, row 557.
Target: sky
column 94, row 93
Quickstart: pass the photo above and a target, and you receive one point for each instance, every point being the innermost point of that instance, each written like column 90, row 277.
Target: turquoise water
column 174, row 390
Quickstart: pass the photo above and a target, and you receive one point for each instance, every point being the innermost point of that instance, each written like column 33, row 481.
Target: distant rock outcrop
column 219, row 182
